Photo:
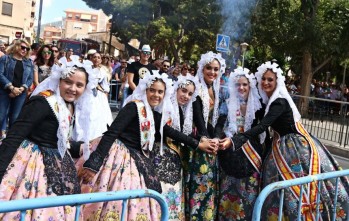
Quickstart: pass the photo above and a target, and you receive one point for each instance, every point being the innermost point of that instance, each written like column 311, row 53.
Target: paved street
column 343, row 162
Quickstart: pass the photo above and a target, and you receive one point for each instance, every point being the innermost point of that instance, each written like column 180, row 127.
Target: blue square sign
column 222, row 43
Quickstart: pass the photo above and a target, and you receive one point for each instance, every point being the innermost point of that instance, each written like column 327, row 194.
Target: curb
column 339, row 151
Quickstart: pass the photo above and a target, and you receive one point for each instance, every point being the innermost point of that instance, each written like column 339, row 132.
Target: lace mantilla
column 280, row 91
column 187, row 109
column 165, row 107
column 203, row 91
column 234, row 103
column 82, row 114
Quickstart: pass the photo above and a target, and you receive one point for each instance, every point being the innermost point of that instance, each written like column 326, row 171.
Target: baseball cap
column 146, row 48
column 91, row 51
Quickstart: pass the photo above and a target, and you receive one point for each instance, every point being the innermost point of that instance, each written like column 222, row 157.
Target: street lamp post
column 39, row 23
column 243, row 49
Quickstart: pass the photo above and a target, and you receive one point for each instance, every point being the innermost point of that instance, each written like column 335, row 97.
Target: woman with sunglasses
column 294, row 153
column 202, row 175
column 16, row 76
column 43, row 64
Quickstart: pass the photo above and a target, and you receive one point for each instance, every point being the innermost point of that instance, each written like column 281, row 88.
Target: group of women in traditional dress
column 170, row 137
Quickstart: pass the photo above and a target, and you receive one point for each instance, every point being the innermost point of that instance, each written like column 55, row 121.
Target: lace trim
column 64, row 117
column 61, row 173
column 146, row 127
column 167, row 166
column 146, row 167
column 95, row 161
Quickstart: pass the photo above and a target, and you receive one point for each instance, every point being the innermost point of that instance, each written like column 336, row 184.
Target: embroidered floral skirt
column 169, row 171
column 296, row 152
column 237, row 196
column 31, row 175
column 123, row 169
column 201, row 185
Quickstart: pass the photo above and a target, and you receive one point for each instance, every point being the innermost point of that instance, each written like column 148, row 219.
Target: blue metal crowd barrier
column 79, row 199
column 282, row 185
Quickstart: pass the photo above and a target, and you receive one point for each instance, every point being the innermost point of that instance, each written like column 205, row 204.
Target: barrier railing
column 114, row 94
column 282, row 185
column 80, row 199
column 324, row 118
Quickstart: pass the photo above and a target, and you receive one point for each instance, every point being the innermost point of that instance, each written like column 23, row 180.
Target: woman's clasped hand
column 209, row 145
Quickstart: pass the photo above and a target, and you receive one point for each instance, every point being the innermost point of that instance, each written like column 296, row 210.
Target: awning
column 85, row 17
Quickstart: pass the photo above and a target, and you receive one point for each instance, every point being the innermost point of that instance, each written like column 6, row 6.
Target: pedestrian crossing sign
column 222, row 43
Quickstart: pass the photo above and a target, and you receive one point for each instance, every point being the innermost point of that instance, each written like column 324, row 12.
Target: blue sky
column 53, row 10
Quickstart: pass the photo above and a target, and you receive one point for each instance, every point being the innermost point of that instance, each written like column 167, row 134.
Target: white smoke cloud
column 236, row 21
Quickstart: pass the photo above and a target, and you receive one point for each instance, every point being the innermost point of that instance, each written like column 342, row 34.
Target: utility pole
column 110, row 36
column 39, row 23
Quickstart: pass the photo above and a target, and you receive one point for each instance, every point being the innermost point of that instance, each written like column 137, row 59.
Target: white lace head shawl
column 165, row 107
column 183, row 81
column 82, row 110
column 234, row 100
column 203, row 90
column 280, row 90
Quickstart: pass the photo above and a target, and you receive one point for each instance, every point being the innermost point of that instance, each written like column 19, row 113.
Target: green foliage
column 286, row 28
column 177, row 28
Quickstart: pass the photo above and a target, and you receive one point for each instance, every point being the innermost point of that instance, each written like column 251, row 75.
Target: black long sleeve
column 219, row 129
column 199, row 121
column 174, row 134
column 276, row 109
column 126, row 115
column 26, row 123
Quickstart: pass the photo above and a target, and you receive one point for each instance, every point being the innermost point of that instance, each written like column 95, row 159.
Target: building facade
column 51, row 33
column 79, row 23
column 17, row 20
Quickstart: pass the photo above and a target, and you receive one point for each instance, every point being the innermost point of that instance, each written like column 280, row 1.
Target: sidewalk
column 335, row 149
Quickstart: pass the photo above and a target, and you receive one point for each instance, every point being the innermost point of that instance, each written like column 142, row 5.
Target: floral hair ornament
column 280, row 90
column 253, row 103
column 182, row 82
column 165, row 107
column 203, row 91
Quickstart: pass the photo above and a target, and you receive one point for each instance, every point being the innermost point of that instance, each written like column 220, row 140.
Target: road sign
column 18, row 34
column 222, row 43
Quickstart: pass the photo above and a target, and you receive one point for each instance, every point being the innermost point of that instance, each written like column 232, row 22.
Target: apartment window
column 70, row 15
column 48, row 33
column 7, row 8
column 77, row 17
column 77, row 25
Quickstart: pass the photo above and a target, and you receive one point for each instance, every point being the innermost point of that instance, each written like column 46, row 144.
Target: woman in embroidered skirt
column 121, row 160
column 169, row 166
column 34, row 161
column 294, row 153
column 201, row 176
column 240, row 169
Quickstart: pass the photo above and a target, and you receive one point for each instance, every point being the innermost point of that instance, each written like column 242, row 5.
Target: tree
column 180, row 28
column 305, row 30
